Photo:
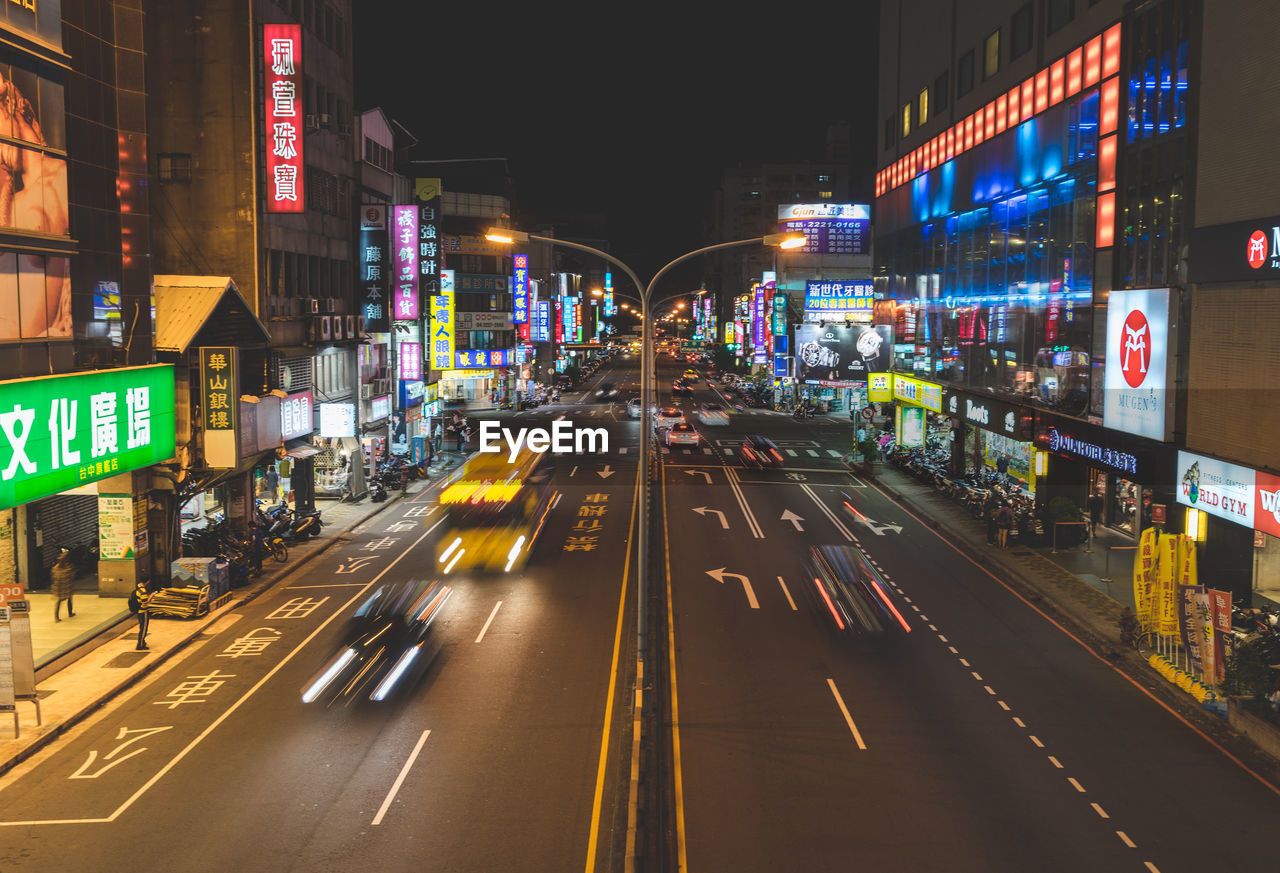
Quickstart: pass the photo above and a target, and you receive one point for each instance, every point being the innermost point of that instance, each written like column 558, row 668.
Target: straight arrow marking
column 788, row 515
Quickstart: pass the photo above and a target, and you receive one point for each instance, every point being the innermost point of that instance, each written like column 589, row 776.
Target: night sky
column 632, row 117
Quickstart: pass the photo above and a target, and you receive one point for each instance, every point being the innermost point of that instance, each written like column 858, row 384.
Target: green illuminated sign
column 59, row 432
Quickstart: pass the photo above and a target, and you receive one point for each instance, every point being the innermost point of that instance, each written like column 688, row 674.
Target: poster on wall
column 842, row 353
column 1138, row 361
column 115, row 527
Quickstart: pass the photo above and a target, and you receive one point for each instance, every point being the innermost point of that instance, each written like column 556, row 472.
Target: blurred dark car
column 760, row 452
column 679, row 388
column 385, row 645
column 607, row 391
column 852, row 594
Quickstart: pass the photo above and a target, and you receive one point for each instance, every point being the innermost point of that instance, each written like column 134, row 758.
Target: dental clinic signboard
column 60, row 432
column 1136, row 397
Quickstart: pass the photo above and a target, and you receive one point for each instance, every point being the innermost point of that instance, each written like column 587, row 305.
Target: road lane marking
column 1076, row 785
column 1099, row 810
column 1055, row 762
column 489, row 622
column 1036, row 740
column 677, row 772
column 732, row 476
column 1124, row 838
column 1018, row 722
column 857, row 737
column 831, row 516
column 786, row 592
column 404, row 771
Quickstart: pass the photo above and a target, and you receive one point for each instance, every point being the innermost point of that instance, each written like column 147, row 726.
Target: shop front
column 918, row 419
column 473, row 387
column 993, row 436
column 337, row 444
column 375, row 433
column 1122, row 478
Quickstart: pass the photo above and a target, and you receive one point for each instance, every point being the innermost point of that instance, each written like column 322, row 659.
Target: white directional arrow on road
column 703, row 473
column 719, row 576
column 876, row 526
column 605, row 473
column 702, row 510
column 788, row 515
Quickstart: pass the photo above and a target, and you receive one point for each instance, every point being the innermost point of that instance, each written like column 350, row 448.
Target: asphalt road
column 505, row 756
column 986, row 739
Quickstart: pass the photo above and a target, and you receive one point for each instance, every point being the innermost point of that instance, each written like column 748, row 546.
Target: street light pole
column 648, row 377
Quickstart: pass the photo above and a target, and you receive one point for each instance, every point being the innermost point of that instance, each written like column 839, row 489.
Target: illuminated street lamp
column 648, row 380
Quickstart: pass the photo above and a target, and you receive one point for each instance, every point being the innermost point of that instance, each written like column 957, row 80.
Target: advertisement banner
column 998, row 416
column 1138, row 360
column 541, row 332
column 839, row 354
column 917, row 392
column 1266, row 510
column 220, row 405
column 823, row 297
column 1216, row 487
column 282, row 103
column 296, row 417
column 880, row 387
column 520, row 289
column 371, row 282
column 829, row 228
column 1189, row 626
column 337, row 419
column 1144, row 578
column 428, row 193
column 1242, row 251
column 484, row 358
column 115, row 527
column 405, row 250
column 1166, row 588
column 910, row 426
column 1220, row 610
column 411, row 362
column 60, row 432
column 442, row 325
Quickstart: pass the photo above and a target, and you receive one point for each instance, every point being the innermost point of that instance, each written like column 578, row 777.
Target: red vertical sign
column 282, row 56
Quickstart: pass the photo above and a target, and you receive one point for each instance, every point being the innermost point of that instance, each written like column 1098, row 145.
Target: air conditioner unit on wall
column 309, row 122
column 312, row 305
column 335, row 329
column 366, row 392
column 351, row 326
column 320, row 329
column 331, row 304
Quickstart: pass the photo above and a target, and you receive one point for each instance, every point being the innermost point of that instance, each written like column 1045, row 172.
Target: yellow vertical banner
column 1144, row 579
column 1167, row 585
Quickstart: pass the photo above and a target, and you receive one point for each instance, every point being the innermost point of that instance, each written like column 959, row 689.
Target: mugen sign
column 59, row 432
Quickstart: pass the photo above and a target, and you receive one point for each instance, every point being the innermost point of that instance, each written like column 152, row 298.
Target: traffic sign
column 868, row 413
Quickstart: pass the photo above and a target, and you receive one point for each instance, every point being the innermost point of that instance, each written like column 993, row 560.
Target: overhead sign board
column 442, row 324
column 60, row 432
column 1240, row 251
column 1216, row 487
column 829, row 228
column 822, row 296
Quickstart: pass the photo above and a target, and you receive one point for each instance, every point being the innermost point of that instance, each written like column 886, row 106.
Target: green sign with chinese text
column 60, row 432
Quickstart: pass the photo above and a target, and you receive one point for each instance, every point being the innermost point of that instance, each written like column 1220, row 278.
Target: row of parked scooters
column 972, row 491
column 273, row 530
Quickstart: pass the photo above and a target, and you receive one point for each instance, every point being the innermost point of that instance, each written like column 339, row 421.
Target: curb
column 264, row 585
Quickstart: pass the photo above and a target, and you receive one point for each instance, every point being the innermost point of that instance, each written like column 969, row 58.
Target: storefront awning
column 185, row 304
column 302, row 452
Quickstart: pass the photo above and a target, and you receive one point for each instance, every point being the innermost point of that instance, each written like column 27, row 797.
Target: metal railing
column 1106, row 580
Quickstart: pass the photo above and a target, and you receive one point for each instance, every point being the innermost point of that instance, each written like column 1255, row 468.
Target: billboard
column 282, row 103
column 520, row 289
column 841, row 354
column 404, row 249
column 821, row 297
column 829, row 228
column 442, row 326
column 1135, row 396
column 371, row 282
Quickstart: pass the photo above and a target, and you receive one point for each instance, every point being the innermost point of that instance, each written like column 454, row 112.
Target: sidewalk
column 77, row 690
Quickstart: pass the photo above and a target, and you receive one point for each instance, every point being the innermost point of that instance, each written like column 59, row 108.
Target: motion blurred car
column 667, row 416
column 851, row 593
column 759, row 452
column 691, row 376
column 607, row 391
column 713, row 414
column 633, row 408
column 681, row 434
column 385, row 644
column 679, row 388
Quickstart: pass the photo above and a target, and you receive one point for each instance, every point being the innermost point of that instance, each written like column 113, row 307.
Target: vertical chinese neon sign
column 404, row 253
column 520, row 289
column 282, row 54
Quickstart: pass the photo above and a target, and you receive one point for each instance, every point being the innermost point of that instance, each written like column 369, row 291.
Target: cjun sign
column 60, row 432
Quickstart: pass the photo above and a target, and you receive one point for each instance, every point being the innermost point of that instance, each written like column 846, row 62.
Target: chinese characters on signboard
column 411, row 361
column 282, row 53
column 825, row 296
column 372, row 266
column 542, row 322
column 829, row 228
column 296, row 415
column 219, row 404
column 442, row 326
column 486, row 358
column 520, row 289
column 405, row 248
column 430, row 255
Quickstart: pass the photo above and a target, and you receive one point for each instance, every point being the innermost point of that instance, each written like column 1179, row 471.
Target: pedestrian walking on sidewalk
column 438, row 436
column 1095, row 513
column 989, row 509
column 140, row 605
column 1004, row 523
column 64, row 584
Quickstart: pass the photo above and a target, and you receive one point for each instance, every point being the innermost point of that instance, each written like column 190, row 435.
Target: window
column 991, row 55
column 1060, row 14
column 923, row 115
column 1021, row 32
column 964, row 74
column 888, row 132
column 906, row 120
column 825, row 195
column 941, row 92
column 173, row 167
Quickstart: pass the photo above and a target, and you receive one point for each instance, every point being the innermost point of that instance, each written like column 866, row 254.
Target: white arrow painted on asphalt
column 719, row 575
column 702, row 510
column 876, row 526
column 788, row 515
column 605, row 473
column 703, row 473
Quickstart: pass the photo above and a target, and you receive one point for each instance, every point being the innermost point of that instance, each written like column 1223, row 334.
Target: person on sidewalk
column 989, row 509
column 438, row 437
column 140, row 605
column 1095, row 513
column 64, row 584
column 1004, row 523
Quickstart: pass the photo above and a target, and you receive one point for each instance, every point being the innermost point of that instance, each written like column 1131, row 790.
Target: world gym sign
column 59, row 432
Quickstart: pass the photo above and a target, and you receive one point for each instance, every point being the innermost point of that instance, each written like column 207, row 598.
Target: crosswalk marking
column 792, row 452
column 832, row 452
column 812, row 452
